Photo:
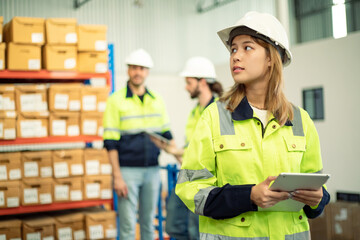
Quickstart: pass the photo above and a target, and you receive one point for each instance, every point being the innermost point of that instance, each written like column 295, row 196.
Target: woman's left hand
column 309, row 197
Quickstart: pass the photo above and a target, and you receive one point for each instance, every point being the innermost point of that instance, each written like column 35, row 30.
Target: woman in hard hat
column 242, row 142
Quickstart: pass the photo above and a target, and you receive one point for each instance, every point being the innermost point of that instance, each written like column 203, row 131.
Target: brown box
column 68, row 163
column 320, row 227
column 10, row 166
column 10, row 229
column 37, row 164
column 101, row 225
column 59, row 58
column 343, row 217
column 97, row 162
column 91, row 124
column 64, row 124
column 70, row 226
column 39, row 227
column 2, row 55
column 25, row 30
column 23, row 57
column 65, row 97
column 68, row 189
column 36, row 191
column 92, row 37
column 93, row 62
column 9, row 194
column 93, row 99
column 7, row 125
column 97, row 187
column 29, row 125
column 61, row 31
column 7, row 97
column 31, row 98
column 1, row 28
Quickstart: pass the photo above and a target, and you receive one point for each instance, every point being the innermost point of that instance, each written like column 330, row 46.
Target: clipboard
column 290, row 182
column 158, row 136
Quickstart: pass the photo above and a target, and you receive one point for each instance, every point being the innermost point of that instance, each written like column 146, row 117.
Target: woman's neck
column 256, row 95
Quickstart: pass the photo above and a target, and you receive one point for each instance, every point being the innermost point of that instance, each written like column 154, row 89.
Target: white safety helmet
column 199, row 67
column 140, row 57
column 263, row 26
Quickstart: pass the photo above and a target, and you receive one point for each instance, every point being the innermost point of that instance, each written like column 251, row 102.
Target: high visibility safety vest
column 234, row 149
column 127, row 118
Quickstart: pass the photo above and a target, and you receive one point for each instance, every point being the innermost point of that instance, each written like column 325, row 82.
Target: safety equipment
column 140, row 57
column 199, row 67
column 262, row 24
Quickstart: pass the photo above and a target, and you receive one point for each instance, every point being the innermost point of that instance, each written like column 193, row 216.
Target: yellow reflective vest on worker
column 127, row 118
column 230, row 149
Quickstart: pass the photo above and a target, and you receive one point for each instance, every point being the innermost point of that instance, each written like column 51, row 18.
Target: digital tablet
column 290, row 182
column 158, row 136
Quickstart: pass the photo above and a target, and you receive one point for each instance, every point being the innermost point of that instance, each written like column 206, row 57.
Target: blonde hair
column 275, row 100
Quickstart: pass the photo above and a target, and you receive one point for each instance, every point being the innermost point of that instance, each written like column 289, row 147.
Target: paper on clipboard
column 292, row 181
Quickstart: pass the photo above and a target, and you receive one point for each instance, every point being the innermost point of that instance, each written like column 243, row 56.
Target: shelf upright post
column 111, row 66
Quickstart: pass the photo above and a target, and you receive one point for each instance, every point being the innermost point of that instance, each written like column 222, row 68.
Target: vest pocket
column 231, row 142
column 243, row 220
column 299, row 217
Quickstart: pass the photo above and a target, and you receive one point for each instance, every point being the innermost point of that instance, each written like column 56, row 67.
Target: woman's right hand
column 120, row 187
column 265, row 198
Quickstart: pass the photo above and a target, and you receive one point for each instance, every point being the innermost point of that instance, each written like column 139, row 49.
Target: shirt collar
column 129, row 93
column 244, row 111
column 210, row 102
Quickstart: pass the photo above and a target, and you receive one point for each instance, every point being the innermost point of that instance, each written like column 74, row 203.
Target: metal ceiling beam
column 203, row 5
column 79, row 3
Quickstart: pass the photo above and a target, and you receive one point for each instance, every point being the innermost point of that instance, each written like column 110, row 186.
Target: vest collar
column 129, row 93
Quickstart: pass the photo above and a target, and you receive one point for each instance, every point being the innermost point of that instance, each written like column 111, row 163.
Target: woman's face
column 249, row 62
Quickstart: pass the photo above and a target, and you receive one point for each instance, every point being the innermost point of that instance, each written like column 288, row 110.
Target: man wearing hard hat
column 130, row 114
column 200, row 77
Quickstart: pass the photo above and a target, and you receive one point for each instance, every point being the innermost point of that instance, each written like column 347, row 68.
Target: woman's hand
column 309, row 197
column 265, row 198
column 169, row 148
column 120, row 187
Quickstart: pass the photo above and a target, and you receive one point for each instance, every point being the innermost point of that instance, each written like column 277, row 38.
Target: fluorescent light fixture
column 339, row 19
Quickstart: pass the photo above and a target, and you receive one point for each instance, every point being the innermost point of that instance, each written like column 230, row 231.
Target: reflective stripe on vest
column 296, row 236
column 200, row 199
column 140, row 116
column 227, row 125
column 186, row 175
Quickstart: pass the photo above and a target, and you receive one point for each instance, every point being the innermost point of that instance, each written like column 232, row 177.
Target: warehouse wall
column 335, row 66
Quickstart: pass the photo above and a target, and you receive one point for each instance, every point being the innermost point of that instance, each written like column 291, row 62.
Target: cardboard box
column 68, row 189
column 25, row 30
column 31, row 125
column 92, row 37
column 36, row 191
column 2, row 55
column 9, row 194
column 343, row 217
column 10, row 166
column 320, row 227
column 10, row 228
column 68, row 163
column 61, row 31
column 70, row 225
column 97, row 187
column 93, row 62
column 65, row 97
column 38, row 227
column 91, row 124
column 64, row 124
column 37, row 164
column 1, row 28
column 101, row 225
column 31, row 98
column 7, row 125
column 97, row 162
column 23, row 57
column 60, row 58
column 93, row 99
column 7, row 97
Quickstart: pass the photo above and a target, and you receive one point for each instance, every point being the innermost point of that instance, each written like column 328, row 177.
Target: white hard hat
column 263, row 26
column 199, row 67
column 140, row 57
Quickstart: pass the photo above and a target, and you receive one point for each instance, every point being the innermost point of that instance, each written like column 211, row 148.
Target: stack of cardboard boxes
column 54, row 44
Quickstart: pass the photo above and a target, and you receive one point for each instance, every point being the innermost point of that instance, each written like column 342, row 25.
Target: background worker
column 130, row 112
column 246, row 139
column 200, row 77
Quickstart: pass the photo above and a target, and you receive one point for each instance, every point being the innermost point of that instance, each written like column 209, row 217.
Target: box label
column 101, row 67
column 61, row 192
column 14, row 174
column 106, row 194
column 59, row 127
column 1, row 64
column 9, row 133
column 31, row 169
column 89, row 103
column 73, row 130
column 34, row 64
column 13, row 202
column 37, row 37
column 61, row 101
column 45, row 198
column 71, row 38
column 33, row 236
column 46, row 172
column 76, row 195
column 61, row 170
column 2, row 237
column 92, row 190
column 70, row 63
column 92, row 167
column 31, row 103
column 90, row 127
column 111, row 233
column 65, row 233
column 96, row 232
column 31, row 128
column 48, row 238
column 100, row 45
column 79, row 235
column 2, row 198
column 30, row 195
column 3, row 172
column 77, row 169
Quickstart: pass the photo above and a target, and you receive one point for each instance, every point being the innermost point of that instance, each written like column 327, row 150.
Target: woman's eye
column 233, row 50
column 247, row 48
